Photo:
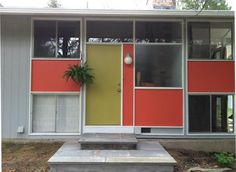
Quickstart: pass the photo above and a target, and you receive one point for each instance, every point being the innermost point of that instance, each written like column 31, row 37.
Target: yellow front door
column 103, row 97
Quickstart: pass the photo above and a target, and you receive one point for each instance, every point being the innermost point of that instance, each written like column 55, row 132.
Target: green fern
column 79, row 74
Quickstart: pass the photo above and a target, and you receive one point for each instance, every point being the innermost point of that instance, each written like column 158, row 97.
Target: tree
column 205, row 5
column 54, row 4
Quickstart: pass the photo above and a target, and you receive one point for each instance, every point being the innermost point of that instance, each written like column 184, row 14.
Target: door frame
column 107, row 128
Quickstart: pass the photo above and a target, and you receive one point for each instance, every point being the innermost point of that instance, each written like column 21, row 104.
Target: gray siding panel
column 15, row 74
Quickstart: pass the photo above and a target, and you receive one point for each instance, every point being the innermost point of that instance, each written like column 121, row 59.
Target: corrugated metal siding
column 15, row 65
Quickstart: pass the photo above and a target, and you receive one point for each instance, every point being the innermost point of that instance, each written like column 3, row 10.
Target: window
column 158, row 65
column 55, row 114
column 59, row 39
column 211, row 113
column 109, row 31
column 210, row 40
column 162, row 32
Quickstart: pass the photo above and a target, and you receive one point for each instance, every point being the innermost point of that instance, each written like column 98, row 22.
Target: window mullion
column 211, row 113
column 56, row 56
column 56, row 113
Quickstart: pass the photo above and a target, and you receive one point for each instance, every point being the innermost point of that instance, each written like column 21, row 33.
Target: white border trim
column 158, row 88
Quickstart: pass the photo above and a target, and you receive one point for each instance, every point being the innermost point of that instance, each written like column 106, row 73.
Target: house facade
column 167, row 74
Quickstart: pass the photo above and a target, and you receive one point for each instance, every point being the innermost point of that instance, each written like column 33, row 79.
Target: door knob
column 118, row 89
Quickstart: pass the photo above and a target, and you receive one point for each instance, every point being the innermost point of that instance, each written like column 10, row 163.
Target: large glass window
column 55, row 114
column 211, row 113
column 109, row 31
column 158, row 65
column 59, row 39
column 44, row 38
column 210, row 40
column 158, row 32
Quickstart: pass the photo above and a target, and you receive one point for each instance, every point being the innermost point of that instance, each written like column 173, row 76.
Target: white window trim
column 211, row 133
column 54, row 19
column 216, row 21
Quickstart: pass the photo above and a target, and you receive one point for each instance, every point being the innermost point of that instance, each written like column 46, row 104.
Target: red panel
column 159, row 108
column 127, row 87
column 210, row 76
column 47, row 75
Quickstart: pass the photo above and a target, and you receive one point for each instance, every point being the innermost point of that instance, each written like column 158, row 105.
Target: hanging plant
column 79, row 74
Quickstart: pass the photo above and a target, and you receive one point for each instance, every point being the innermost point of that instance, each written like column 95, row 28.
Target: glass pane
column 221, row 41
column 44, row 111
column 210, row 40
column 222, row 113
column 158, row 32
column 199, row 113
column 199, row 40
column 67, row 114
column 158, row 65
column 68, row 39
column 44, row 38
column 109, row 31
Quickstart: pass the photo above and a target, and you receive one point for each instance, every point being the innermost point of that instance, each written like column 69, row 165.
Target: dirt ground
column 33, row 157
column 187, row 159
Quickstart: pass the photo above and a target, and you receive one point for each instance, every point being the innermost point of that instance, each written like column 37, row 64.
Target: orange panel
column 47, row 75
column 210, row 76
column 159, row 108
column 127, row 87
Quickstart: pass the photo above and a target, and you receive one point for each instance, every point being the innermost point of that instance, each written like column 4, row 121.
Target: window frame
column 31, row 133
column 209, row 133
column 215, row 21
column 33, row 19
column 181, row 21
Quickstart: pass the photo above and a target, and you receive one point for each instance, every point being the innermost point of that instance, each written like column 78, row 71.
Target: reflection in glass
column 158, row 65
column 68, row 39
column 44, row 38
column 221, row 47
column 199, row 113
column 211, row 113
column 210, row 40
column 199, row 40
column 162, row 32
column 222, row 109
column 109, row 31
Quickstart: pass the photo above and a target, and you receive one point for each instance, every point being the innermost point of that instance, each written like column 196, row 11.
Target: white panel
column 67, row 114
column 44, row 110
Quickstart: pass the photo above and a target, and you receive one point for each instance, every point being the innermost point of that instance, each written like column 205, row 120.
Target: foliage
column 54, row 4
column 225, row 158
column 205, row 4
column 79, row 74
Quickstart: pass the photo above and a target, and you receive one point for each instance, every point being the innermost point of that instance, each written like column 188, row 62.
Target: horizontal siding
column 15, row 56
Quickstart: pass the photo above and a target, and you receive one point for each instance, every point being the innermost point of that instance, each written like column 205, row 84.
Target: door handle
column 118, row 89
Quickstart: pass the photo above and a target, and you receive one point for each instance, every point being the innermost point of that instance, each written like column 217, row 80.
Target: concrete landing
column 149, row 157
column 106, row 141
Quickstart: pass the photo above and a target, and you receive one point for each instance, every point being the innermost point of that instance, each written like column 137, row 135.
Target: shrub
column 226, row 159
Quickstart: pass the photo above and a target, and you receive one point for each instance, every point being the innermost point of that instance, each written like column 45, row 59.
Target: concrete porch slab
column 149, row 157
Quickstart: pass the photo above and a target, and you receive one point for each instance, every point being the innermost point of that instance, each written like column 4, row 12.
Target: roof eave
column 114, row 13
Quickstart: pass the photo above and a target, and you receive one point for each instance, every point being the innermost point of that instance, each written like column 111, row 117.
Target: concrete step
column 106, row 141
column 149, row 157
